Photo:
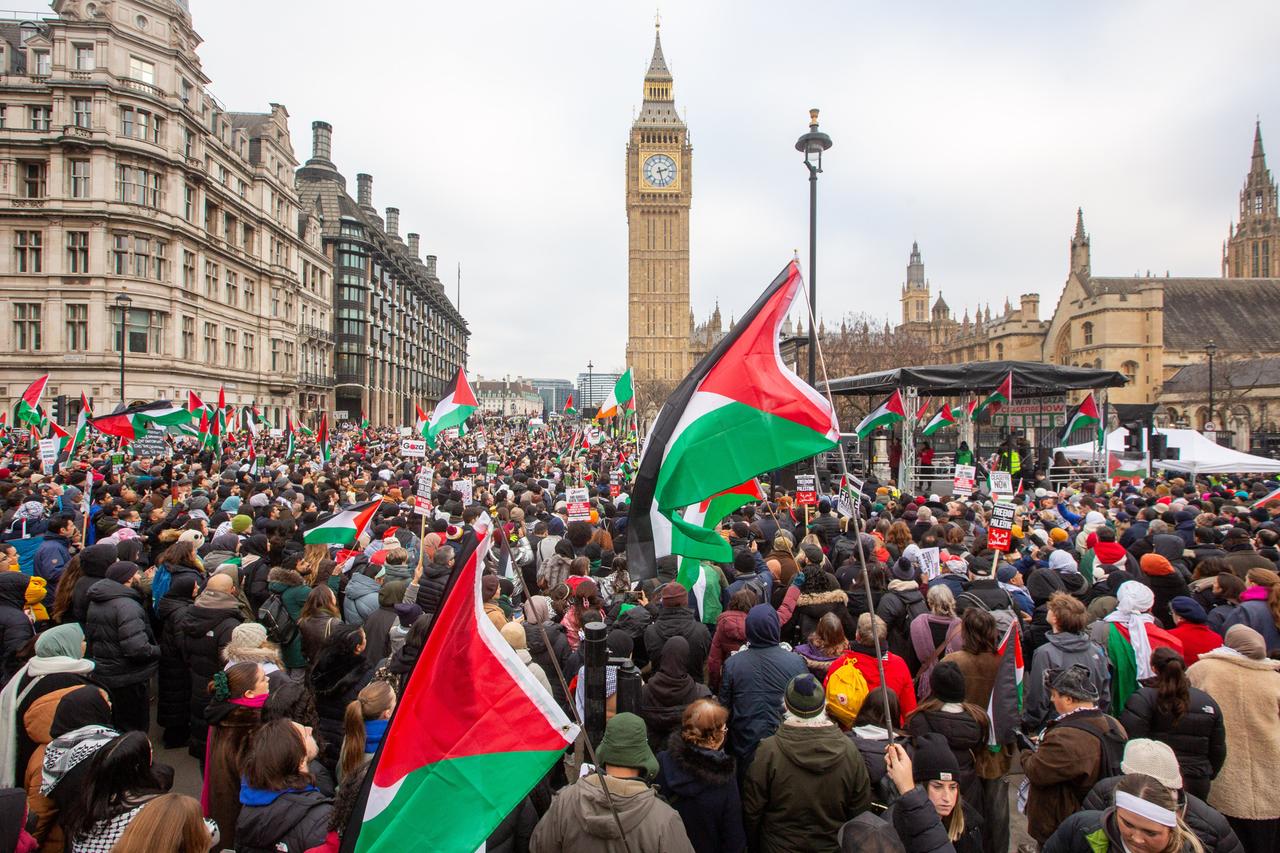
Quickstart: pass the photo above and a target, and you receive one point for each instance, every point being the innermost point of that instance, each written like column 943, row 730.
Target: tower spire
column 1079, row 235
column 1259, row 156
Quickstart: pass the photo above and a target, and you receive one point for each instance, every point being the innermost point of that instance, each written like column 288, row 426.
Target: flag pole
column 889, row 721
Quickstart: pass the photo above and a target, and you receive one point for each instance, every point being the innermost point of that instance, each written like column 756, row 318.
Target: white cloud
column 499, row 129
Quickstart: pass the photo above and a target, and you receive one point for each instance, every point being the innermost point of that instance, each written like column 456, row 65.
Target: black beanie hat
column 947, row 682
column 934, row 760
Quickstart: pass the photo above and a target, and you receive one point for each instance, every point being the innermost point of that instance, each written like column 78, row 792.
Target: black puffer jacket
column 118, row 636
column 175, row 685
column 291, row 822
column 94, row 562
column 921, row 831
column 1198, row 739
column 679, row 620
column 559, row 650
column 1205, row 821
column 897, row 608
column 205, row 630
column 431, row 587
column 701, row 785
column 336, row 679
column 15, row 627
column 963, row 733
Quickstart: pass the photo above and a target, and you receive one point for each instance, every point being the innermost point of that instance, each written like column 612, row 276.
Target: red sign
column 806, row 490
column 998, row 534
column 998, row 540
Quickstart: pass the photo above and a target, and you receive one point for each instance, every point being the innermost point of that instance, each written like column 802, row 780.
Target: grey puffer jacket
column 118, row 636
column 1061, row 651
column 361, row 599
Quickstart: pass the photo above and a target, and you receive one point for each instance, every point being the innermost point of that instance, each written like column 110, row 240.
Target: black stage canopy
column 1030, row 379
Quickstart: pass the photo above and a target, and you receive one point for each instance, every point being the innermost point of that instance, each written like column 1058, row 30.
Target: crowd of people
column 832, row 687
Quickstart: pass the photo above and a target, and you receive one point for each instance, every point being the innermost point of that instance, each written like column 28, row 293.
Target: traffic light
column 59, row 412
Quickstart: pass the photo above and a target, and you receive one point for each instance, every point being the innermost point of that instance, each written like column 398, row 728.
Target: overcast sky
column 499, row 129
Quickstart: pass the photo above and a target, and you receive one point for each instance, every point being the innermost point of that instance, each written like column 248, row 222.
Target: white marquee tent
column 1198, row 455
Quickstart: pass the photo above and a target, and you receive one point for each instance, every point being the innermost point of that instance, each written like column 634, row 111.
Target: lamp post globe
column 812, row 144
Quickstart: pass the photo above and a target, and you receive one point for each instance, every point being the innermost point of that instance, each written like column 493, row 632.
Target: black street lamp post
column 589, row 389
column 123, row 302
column 812, row 144
column 1211, row 349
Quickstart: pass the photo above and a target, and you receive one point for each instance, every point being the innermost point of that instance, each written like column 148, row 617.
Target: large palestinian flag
column 1002, row 396
column 472, row 735
column 81, row 435
column 890, row 411
column 693, row 532
column 132, row 422
column 342, row 527
column 622, row 398
column 739, row 413
column 1083, row 415
column 455, row 406
column 946, row 416
column 29, row 405
column 1004, row 708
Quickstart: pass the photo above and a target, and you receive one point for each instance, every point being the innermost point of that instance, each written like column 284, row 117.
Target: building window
column 1255, row 268
column 210, row 278
column 229, row 341
column 34, row 173
column 26, row 326
column 1087, row 333
column 250, row 294
column 77, row 314
column 1257, row 202
column 275, row 354
column 79, row 174
column 41, row 117
column 188, row 269
column 42, row 62
column 275, row 302
column 1266, row 259
column 188, row 338
column 189, row 203
column 160, row 261
column 248, row 351
column 28, row 248
column 247, row 239
column 210, row 343
column 82, row 112
column 3, row 108
column 141, row 124
column 78, row 251
column 137, row 185
column 1130, row 370
column 141, row 256
column 84, row 58
column 144, row 331
column 232, row 293
column 142, row 71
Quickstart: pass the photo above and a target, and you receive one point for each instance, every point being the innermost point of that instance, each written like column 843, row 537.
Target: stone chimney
column 364, row 190
column 1031, row 307
column 321, row 140
column 414, row 240
column 393, row 222
column 431, row 265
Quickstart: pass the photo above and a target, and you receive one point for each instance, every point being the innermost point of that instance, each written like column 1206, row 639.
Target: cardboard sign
column 964, row 481
column 806, row 490
column 49, row 451
column 1000, row 483
column 930, row 563
column 579, row 504
column 151, row 443
column 421, row 506
column 998, row 535
column 424, row 484
column 413, row 447
column 275, row 433
column 339, row 414
column 466, row 487
column 472, row 464
column 615, row 483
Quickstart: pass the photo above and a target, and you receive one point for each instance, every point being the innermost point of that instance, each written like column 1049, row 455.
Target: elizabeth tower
column 659, row 189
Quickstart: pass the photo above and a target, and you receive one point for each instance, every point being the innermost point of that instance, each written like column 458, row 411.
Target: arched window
column 1130, row 370
column 1087, row 332
column 999, row 352
column 1062, row 348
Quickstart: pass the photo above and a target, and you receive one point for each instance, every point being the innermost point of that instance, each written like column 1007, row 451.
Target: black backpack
column 275, row 617
column 1111, row 741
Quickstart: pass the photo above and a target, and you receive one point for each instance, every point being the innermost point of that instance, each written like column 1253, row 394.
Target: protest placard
column 930, row 563
column 1000, row 484
column 806, row 490
column 579, row 504
column 998, row 534
column 965, row 480
column 413, row 448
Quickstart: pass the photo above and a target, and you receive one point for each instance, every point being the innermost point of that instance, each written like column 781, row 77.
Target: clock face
column 659, row 170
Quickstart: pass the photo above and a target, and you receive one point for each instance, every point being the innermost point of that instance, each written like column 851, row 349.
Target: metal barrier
column 1061, row 475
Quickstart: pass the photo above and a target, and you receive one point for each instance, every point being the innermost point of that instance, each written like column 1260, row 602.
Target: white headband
column 1142, row 808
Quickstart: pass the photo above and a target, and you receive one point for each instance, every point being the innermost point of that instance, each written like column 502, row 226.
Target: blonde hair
column 1149, row 788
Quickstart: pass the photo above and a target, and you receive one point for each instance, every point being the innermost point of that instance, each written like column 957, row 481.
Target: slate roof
column 1238, row 375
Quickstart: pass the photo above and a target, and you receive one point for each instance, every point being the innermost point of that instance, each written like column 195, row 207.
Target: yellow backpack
column 846, row 689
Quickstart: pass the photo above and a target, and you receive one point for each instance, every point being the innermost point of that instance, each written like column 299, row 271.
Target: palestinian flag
column 455, row 406
column 1004, row 708
column 703, row 583
column 81, row 436
column 306, row 430
column 740, row 412
column 194, row 403
column 290, row 437
column 29, row 405
column 1002, row 396
column 168, row 415
column 326, row 451
column 890, row 411
column 924, row 407
column 1083, row 415
column 946, row 416
column 128, row 424
column 471, row 736
column 569, row 411
column 420, row 422
column 694, row 532
column 342, row 527
column 621, row 398
column 1119, row 468
column 253, row 455
column 364, row 420
column 1270, row 496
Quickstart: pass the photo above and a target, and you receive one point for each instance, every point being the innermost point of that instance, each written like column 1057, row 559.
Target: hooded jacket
column 580, row 820
column 1205, row 821
column 1257, row 615
column 361, row 600
column 205, row 631
column 679, row 621
column 15, row 627
column 543, row 654
column 172, row 704
column 1198, row 738
column 702, row 786
column 754, row 682
column 668, row 691
column 1059, row 652
column 293, row 592
column 431, row 586
column 118, row 636
column 803, row 784
column 281, row 821
column 730, row 635
column 94, row 562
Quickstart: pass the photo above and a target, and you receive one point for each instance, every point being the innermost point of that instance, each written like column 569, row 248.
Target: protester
column 364, row 725
column 121, row 779
column 235, row 715
column 668, row 692
column 1067, row 644
column 1144, row 819
column 697, row 777
column 280, row 806
column 119, row 639
column 939, row 817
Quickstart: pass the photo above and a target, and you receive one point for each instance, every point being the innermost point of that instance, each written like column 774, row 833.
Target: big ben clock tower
column 659, row 189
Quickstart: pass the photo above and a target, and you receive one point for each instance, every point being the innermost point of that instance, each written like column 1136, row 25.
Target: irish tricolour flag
column 1083, row 415
column 740, row 412
column 1002, row 396
column 472, row 735
column 890, row 411
column 455, row 406
column 342, row 527
column 622, row 398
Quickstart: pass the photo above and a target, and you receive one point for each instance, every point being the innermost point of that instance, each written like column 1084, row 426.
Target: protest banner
column 615, row 483
column 998, row 534
column 413, row 448
column 421, row 505
column 466, row 488
column 49, row 451
column 965, row 480
column 151, row 444
column 1000, row 484
column 425, row 481
column 579, row 504
column 930, row 563
column 806, row 490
